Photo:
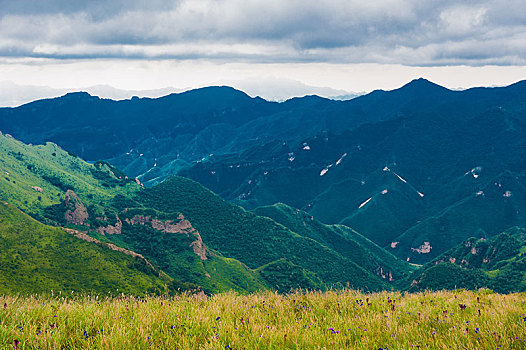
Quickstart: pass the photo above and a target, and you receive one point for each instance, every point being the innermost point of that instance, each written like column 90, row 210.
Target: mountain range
column 328, row 193
column 186, row 235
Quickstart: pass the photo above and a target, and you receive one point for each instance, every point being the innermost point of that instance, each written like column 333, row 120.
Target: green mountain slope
column 61, row 189
column 340, row 238
column 34, row 177
column 253, row 239
column 326, row 157
column 498, row 263
column 185, row 230
column 35, row 258
column 483, row 214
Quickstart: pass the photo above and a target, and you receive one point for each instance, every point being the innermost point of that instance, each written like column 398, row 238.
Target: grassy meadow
column 301, row 320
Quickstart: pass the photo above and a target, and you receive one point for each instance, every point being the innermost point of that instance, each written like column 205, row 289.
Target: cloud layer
column 408, row 32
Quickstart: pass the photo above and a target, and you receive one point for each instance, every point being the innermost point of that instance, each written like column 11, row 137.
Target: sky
column 273, row 48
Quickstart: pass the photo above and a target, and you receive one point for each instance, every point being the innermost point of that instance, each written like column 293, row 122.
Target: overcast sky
column 344, row 45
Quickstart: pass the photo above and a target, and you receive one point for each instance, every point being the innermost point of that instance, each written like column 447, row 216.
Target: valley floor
column 311, row 320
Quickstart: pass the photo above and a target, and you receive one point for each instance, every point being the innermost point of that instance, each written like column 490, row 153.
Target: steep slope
column 388, row 164
column 342, row 239
column 182, row 228
column 35, row 258
column 498, row 263
column 395, row 176
column 156, row 137
column 58, row 188
column 495, row 207
column 38, row 176
column 239, row 234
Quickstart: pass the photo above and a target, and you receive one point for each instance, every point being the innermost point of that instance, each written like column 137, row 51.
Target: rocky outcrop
column 111, row 229
column 384, row 274
column 423, row 249
column 76, row 212
column 169, row 226
column 199, row 246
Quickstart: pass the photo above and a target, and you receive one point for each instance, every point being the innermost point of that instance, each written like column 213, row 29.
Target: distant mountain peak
column 422, row 83
column 78, row 94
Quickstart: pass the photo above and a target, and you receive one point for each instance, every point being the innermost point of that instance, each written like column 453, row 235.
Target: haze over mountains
column 418, row 171
column 13, row 95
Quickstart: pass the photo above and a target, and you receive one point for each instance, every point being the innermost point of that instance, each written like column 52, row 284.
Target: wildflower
column 217, row 318
column 462, row 306
column 5, row 305
column 16, row 344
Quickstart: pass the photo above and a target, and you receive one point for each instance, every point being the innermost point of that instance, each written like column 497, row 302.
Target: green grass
column 302, row 320
column 36, row 258
column 53, row 170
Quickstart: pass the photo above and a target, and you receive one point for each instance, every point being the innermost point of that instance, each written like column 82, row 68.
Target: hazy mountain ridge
column 383, row 178
column 148, row 135
column 417, row 170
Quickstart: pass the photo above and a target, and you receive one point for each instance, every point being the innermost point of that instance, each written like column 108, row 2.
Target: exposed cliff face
column 111, row 229
column 169, row 226
column 76, row 212
column 181, row 226
column 199, row 246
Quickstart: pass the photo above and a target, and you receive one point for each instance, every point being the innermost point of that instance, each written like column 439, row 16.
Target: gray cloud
column 411, row 32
